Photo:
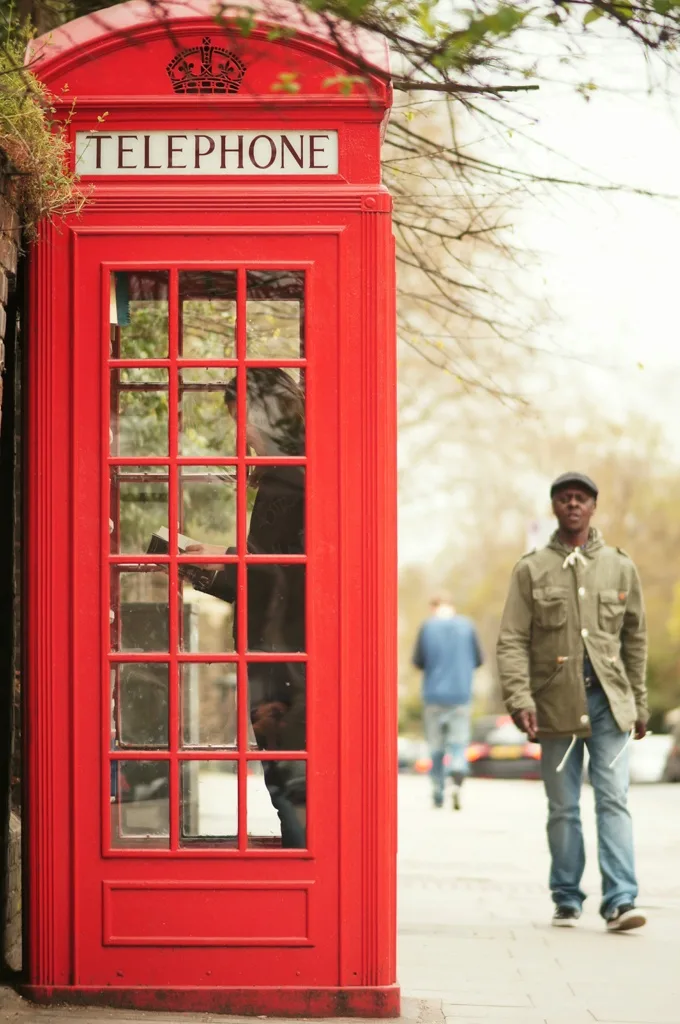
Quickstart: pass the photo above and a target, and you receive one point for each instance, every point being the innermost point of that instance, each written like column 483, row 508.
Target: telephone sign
column 257, row 152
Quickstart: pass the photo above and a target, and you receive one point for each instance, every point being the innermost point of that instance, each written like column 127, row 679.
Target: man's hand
column 267, row 720
column 526, row 721
column 640, row 730
column 205, row 549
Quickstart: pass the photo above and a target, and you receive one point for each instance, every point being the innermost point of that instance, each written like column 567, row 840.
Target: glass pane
column 207, row 504
column 276, row 510
column 208, row 622
column 277, row 805
column 275, row 314
column 140, row 804
column 205, row 426
column 139, row 314
column 276, row 607
column 208, row 704
column 207, row 302
column 139, row 506
column 139, row 705
column 209, row 802
column 277, row 701
column 139, row 412
column 139, row 610
column 275, row 414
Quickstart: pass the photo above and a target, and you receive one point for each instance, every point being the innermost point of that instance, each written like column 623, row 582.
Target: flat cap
column 574, row 478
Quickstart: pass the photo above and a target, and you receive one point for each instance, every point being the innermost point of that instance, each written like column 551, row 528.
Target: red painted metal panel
column 205, row 913
column 183, row 867
column 282, row 1001
column 47, row 699
column 82, row 42
column 236, row 927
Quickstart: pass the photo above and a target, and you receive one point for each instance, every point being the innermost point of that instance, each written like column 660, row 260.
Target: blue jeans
column 614, row 826
column 286, row 782
column 447, row 731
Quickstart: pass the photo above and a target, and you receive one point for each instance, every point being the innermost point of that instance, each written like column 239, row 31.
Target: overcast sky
column 608, row 264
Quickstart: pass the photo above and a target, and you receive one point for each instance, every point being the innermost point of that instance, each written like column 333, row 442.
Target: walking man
column 447, row 650
column 572, row 657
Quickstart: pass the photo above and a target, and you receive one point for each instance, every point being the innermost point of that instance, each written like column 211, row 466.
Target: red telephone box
column 211, row 698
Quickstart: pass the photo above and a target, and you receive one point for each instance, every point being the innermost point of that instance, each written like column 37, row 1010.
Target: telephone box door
column 206, row 581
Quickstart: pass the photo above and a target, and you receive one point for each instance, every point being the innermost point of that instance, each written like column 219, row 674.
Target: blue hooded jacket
column 448, row 652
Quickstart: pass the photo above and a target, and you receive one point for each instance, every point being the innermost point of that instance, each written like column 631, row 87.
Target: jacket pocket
column 538, row 688
column 611, row 609
column 552, row 699
column 550, row 607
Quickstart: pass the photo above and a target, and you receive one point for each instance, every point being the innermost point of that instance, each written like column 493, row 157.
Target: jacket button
column 581, row 591
column 584, row 632
column 584, row 719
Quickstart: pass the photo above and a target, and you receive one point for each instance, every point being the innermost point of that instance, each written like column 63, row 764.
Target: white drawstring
column 573, row 557
column 561, row 766
column 631, row 735
column 564, row 760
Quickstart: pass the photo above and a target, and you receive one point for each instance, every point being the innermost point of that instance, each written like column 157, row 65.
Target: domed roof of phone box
column 274, row 47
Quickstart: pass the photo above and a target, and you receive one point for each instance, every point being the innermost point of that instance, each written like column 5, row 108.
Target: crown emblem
column 206, row 69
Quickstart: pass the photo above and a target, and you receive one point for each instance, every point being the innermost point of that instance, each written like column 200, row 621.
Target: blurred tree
column 638, row 510
column 459, row 72
column 453, row 210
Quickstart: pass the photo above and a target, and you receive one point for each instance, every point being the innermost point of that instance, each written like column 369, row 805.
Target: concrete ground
column 474, row 913
column 476, row 946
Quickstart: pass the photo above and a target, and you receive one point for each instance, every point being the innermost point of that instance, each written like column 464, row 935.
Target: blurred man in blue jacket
column 447, row 650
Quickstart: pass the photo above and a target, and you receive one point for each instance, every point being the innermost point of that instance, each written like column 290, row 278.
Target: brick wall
column 9, row 254
column 9, row 585
column 12, row 950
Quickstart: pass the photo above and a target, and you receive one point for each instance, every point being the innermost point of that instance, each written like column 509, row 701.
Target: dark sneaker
column 456, row 798
column 625, row 918
column 565, row 917
column 437, row 801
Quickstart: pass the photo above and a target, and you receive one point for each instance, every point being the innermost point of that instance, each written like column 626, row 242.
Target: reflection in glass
column 208, row 625
column 275, row 412
column 208, row 700
column 140, row 804
column 275, row 314
column 207, row 302
column 139, row 621
column 139, row 705
column 139, row 314
column 139, row 412
column 276, row 517
column 209, row 801
column 276, row 607
column 205, row 428
column 278, row 811
column 207, row 503
column 139, row 506
column 277, row 698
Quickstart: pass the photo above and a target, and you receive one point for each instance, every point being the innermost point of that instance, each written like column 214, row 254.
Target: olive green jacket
column 561, row 601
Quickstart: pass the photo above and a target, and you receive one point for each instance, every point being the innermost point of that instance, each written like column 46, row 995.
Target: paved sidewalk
column 475, row 932
column 476, row 946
